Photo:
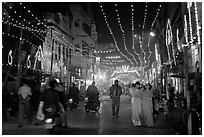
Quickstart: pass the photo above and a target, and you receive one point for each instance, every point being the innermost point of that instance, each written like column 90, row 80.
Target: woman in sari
column 147, row 107
column 136, row 104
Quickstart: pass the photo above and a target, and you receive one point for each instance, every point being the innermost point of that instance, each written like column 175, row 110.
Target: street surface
column 101, row 123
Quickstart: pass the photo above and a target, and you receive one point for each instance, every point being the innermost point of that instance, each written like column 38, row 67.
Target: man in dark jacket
column 74, row 92
column 115, row 93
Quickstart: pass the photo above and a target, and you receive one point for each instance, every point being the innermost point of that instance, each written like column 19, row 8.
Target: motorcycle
column 72, row 103
column 52, row 117
column 91, row 104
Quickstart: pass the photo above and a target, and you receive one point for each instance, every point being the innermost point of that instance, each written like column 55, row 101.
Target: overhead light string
column 123, row 33
column 133, row 33
column 107, row 24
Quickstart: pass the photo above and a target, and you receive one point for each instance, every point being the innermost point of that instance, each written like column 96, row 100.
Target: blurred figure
column 24, row 94
column 155, row 101
column 135, row 92
column 51, row 96
column 63, row 101
column 74, row 92
column 147, row 109
column 164, row 106
column 92, row 92
column 115, row 93
column 171, row 96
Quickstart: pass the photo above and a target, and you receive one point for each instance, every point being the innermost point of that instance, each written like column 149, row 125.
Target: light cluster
column 104, row 51
column 113, row 57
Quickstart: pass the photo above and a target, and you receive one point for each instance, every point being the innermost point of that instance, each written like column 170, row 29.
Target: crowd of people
column 145, row 103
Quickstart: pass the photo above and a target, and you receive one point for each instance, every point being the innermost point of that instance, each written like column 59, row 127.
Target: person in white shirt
column 24, row 94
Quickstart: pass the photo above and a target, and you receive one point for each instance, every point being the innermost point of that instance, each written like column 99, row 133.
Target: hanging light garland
column 30, row 29
column 133, row 34
column 151, row 36
column 197, row 25
column 112, row 33
column 142, row 39
column 29, row 11
column 123, row 33
column 189, row 4
column 23, row 27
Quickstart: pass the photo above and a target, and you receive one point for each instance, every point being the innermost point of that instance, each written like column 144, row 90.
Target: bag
column 40, row 116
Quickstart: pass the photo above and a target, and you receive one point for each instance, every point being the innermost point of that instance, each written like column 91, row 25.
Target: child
column 164, row 105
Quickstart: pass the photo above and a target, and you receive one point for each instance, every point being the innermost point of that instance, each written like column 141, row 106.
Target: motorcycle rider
column 74, row 93
column 51, row 96
column 92, row 92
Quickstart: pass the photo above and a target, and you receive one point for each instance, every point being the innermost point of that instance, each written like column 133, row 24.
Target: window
column 67, row 52
column 76, row 23
column 63, row 51
column 85, row 48
column 77, row 48
column 59, row 51
column 70, row 56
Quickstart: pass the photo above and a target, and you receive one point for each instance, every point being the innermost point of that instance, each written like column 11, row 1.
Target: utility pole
column 186, row 89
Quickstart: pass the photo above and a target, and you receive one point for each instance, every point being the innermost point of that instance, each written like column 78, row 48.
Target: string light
column 190, row 25
column 197, row 25
column 169, row 40
column 113, row 34
column 150, row 35
column 121, row 28
column 37, row 29
column 133, row 35
column 27, row 28
column 142, row 39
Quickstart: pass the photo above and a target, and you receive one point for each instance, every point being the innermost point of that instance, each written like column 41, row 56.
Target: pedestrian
column 165, row 106
column 115, row 93
column 147, row 106
column 24, row 94
column 135, row 92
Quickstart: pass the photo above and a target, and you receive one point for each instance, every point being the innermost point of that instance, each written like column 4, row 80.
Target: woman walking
column 147, row 109
column 136, row 104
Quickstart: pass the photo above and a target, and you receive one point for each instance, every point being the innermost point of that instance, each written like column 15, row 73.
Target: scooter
column 52, row 117
column 72, row 103
column 91, row 104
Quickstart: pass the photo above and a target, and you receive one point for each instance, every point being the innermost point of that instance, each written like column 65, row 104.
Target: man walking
column 24, row 94
column 115, row 93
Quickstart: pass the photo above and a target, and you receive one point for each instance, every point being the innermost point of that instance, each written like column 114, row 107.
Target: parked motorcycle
column 52, row 117
column 72, row 103
column 91, row 104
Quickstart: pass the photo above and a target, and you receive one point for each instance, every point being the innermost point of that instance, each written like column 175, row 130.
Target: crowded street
column 100, row 123
column 101, row 68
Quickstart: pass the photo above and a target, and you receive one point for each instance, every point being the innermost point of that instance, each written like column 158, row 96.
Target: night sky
column 125, row 13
